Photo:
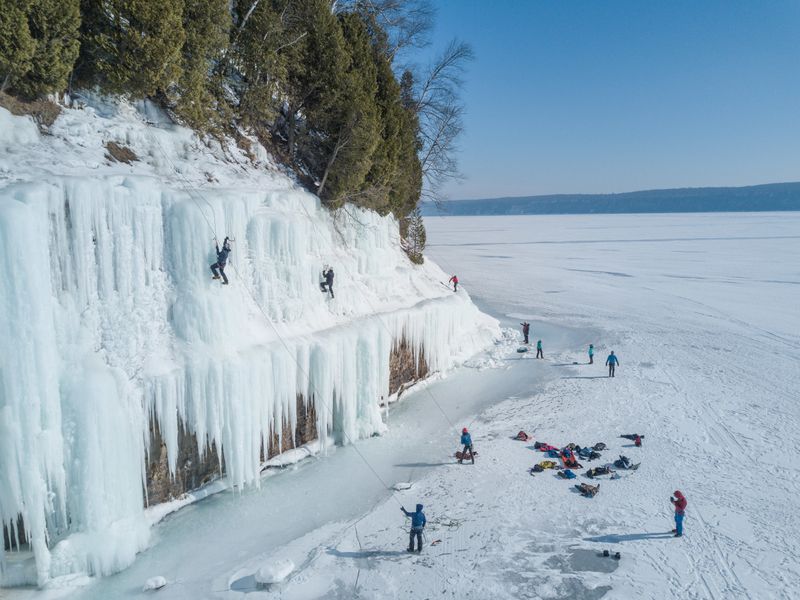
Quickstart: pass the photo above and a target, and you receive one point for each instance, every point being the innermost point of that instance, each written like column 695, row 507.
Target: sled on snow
column 465, row 456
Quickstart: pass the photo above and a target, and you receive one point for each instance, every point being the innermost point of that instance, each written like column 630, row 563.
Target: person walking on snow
column 418, row 522
column 327, row 285
column 222, row 260
column 466, row 441
column 611, row 362
column 679, row 501
column 539, row 353
column 526, row 328
column 454, row 281
column 591, row 354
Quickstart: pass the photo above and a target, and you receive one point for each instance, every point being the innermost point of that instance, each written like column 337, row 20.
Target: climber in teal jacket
column 466, row 441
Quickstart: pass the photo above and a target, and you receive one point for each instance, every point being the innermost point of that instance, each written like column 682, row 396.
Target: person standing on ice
column 612, row 362
column 679, row 501
column 466, row 441
column 539, row 352
column 418, row 522
column 222, row 260
column 526, row 329
column 327, row 285
column 591, row 354
column 454, row 281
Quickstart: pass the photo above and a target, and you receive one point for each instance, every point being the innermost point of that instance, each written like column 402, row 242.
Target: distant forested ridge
column 769, row 197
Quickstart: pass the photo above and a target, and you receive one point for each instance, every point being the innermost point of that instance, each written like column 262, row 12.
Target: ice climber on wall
column 454, row 281
column 327, row 285
column 222, row 260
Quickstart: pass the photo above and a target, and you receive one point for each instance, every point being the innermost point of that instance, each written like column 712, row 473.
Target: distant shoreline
column 772, row 197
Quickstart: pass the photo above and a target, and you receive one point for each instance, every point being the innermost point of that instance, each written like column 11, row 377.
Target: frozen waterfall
column 110, row 321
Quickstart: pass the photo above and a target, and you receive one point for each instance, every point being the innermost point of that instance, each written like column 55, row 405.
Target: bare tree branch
column 407, row 23
column 440, row 111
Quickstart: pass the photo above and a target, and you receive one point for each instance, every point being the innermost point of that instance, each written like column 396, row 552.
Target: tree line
column 320, row 82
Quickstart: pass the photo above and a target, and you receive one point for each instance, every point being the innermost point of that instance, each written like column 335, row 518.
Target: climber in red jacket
column 679, row 501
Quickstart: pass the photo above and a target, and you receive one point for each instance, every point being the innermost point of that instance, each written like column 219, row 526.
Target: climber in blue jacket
column 418, row 522
column 612, row 361
column 222, row 260
column 466, row 441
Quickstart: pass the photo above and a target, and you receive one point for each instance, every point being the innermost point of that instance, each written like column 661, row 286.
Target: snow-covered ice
column 702, row 310
column 110, row 321
column 275, row 572
column 154, row 583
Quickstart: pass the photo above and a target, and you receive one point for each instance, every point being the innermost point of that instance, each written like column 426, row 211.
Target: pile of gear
column 569, row 455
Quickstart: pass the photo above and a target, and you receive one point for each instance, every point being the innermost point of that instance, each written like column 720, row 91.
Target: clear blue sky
column 610, row 96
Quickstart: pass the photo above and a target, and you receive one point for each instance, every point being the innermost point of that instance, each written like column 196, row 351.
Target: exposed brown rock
column 403, row 368
column 120, row 153
column 193, row 471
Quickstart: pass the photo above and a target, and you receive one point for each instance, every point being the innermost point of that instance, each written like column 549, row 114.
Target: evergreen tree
column 132, row 46
column 316, row 68
column 407, row 90
column 206, row 24
column 17, row 47
column 54, row 26
column 414, row 236
column 350, row 123
column 261, row 53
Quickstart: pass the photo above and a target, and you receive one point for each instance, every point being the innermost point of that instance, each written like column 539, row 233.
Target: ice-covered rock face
column 109, row 318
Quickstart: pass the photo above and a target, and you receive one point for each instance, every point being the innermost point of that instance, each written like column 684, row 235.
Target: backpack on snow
column 588, row 491
column 623, row 462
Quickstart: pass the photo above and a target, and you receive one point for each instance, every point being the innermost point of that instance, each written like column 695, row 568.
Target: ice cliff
column 109, row 322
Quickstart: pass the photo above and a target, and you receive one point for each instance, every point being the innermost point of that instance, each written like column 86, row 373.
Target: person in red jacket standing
column 454, row 281
column 679, row 500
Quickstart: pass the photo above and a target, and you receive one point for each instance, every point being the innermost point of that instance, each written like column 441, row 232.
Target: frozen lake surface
column 702, row 311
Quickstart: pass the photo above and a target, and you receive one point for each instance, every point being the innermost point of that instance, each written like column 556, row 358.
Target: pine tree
column 407, row 89
column 351, row 121
column 395, row 176
column 54, row 26
column 206, row 24
column 132, row 46
column 17, row 47
column 264, row 43
column 316, row 69
column 414, row 236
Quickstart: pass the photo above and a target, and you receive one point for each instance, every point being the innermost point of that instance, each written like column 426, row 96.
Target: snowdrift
column 111, row 325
